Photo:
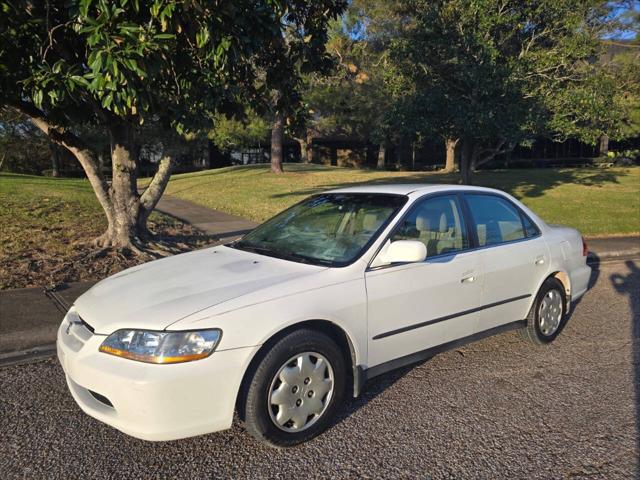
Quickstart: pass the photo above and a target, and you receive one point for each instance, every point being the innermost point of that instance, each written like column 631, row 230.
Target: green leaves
column 175, row 62
column 202, row 37
column 486, row 69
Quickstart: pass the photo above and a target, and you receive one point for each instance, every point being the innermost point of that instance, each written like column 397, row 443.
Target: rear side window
column 496, row 220
column 529, row 227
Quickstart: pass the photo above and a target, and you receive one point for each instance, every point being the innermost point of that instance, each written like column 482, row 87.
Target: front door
column 412, row 307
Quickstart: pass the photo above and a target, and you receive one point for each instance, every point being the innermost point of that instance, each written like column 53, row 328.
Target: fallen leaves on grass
column 37, row 267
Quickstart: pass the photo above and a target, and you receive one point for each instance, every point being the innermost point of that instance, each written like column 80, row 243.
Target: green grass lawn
column 46, row 214
column 47, row 225
column 593, row 200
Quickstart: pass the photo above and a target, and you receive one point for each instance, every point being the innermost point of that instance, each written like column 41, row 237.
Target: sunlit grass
column 46, row 214
column 47, row 225
column 595, row 201
column 52, row 215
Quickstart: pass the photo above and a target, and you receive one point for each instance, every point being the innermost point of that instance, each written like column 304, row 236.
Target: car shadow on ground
column 371, row 390
column 629, row 284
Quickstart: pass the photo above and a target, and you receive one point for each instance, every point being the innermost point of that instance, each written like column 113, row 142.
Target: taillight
column 585, row 248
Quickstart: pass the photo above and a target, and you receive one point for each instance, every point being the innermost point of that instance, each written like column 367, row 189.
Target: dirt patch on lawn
column 39, row 267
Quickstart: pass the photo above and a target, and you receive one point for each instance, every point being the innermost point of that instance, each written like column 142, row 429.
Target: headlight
column 161, row 347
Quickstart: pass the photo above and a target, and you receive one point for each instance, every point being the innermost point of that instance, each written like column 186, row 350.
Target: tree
column 23, row 149
column 240, row 132
column 493, row 72
column 115, row 65
column 604, row 105
column 350, row 100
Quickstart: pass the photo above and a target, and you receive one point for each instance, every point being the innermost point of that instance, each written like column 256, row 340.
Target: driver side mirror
column 403, row 251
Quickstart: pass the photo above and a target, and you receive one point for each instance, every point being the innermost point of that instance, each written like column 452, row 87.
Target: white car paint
column 252, row 297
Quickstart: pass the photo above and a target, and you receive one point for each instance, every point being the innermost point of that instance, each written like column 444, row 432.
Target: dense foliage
column 481, row 75
column 118, row 64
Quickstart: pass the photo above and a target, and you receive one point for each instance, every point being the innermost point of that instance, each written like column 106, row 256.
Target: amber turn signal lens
column 151, row 358
column 161, row 347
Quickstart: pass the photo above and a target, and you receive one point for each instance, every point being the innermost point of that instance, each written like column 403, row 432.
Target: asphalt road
column 496, row 408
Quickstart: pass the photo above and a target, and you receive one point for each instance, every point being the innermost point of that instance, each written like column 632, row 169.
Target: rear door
column 514, row 258
column 415, row 306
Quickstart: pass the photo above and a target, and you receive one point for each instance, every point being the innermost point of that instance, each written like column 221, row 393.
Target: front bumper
column 148, row 401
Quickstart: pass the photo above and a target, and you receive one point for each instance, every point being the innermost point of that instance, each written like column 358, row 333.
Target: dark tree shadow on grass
column 523, row 183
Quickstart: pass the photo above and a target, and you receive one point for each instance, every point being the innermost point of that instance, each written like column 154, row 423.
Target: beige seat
column 429, row 224
column 446, row 240
column 435, row 233
column 371, row 222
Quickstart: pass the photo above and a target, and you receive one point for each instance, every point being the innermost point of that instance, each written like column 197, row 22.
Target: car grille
column 75, row 332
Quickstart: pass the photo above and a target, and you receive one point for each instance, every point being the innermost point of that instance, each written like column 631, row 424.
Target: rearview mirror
column 404, row 251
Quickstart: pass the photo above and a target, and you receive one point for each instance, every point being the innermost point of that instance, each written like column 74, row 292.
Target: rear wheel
column 295, row 389
column 547, row 315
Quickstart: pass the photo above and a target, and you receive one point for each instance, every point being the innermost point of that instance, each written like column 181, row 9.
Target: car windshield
column 328, row 229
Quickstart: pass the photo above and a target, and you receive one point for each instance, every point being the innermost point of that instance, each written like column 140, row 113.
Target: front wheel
column 547, row 315
column 295, row 389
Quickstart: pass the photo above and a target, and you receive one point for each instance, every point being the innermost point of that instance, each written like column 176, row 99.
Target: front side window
column 328, row 229
column 438, row 223
column 496, row 219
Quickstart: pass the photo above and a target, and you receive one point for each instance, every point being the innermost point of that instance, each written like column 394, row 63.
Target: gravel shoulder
column 498, row 408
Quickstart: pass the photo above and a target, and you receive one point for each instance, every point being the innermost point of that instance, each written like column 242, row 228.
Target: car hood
column 157, row 294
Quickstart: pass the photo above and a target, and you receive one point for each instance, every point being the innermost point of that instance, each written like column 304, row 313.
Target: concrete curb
column 36, row 354
column 618, row 254
column 595, row 263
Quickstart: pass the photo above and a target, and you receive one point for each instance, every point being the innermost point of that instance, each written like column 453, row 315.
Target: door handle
column 468, row 279
column 539, row 261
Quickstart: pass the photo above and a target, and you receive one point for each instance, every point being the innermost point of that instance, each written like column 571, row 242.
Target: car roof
column 407, row 188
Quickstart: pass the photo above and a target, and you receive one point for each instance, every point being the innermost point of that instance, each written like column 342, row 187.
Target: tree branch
column 154, row 191
column 487, row 154
column 85, row 155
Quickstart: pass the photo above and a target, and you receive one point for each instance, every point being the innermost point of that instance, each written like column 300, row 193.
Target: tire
column 289, row 372
column 542, row 329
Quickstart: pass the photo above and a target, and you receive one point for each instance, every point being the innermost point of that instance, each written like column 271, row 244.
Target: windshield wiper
column 283, row 255
column 269, row 252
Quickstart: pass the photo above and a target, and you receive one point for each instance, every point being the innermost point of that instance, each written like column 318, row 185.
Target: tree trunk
column 404, row 154
column 450, row 164
column 55, row 159
column 413, row 156
column 473, row 166
column 126, row 211
column 466, row 161
column 277, row 134
column 603, row 146
column 309, row 145
column 124, row 196
column 303, row 150
column 382, row 152
column 306, row 149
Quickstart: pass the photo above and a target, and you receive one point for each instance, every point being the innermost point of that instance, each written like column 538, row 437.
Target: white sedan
column 283, row 324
